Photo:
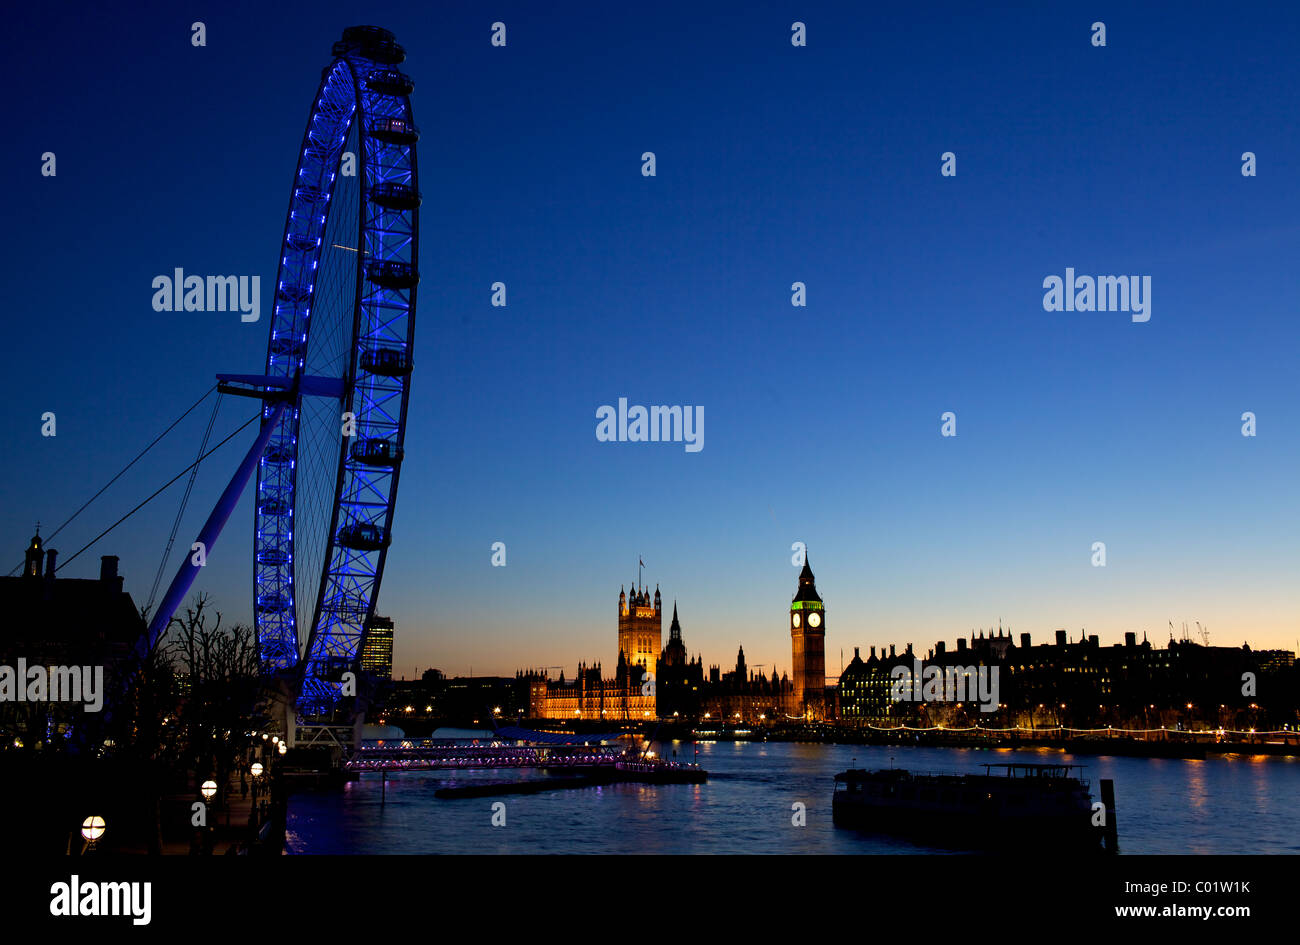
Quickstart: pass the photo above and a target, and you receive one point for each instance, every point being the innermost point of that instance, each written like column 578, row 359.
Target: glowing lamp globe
column 92, row 828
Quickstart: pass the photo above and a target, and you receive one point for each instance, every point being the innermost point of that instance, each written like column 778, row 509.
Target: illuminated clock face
column 814, row 620
column 795, row 619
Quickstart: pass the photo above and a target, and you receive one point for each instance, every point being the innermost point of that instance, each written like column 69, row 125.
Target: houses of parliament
column 652, row 680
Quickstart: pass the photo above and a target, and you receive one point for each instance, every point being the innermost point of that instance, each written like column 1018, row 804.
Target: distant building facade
column 628, row 696
column 1081, row 684
column 377, row 652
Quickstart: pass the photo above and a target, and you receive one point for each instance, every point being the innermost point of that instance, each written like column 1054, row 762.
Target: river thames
column 1225, row 804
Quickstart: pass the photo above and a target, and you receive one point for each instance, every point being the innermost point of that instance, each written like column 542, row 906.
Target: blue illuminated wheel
column 342, row 332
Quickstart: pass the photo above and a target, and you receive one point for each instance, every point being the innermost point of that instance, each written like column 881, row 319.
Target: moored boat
column 1008, row 805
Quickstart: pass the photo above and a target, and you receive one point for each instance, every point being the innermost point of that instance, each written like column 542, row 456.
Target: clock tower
column 808, row 643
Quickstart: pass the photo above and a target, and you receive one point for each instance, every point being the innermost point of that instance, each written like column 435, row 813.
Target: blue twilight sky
column 775, row 164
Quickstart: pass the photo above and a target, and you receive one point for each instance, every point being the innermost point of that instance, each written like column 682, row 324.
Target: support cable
column 180, row 512
column 161, row 489
column 120, row 474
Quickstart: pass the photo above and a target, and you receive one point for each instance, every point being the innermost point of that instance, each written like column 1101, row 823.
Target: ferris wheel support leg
column 211, row 530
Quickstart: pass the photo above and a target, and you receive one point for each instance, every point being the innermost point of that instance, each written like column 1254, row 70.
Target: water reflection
column 1233, row 804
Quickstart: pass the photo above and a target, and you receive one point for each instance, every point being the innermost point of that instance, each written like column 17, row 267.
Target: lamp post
column 255, row 771
column 92, row 828
column 208, row 790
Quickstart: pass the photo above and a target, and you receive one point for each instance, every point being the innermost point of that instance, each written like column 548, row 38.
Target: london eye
column 337, row 379
column 340, row 339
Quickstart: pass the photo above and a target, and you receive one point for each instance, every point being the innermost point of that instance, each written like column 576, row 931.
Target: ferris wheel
column 339, row 352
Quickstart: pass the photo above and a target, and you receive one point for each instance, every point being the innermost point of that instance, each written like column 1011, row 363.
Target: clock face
column 814, row 620
column 795, row 620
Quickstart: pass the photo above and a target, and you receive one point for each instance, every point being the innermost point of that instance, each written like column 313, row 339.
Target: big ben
column 808, row 641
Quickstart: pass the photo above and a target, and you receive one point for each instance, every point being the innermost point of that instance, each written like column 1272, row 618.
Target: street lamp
column 283, row 748
column 255, row 769
column 208, row 790
column 92, row 828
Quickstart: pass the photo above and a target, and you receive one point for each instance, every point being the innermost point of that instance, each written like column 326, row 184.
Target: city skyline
column 924, row 296
column 763, row 643
column 606, row 654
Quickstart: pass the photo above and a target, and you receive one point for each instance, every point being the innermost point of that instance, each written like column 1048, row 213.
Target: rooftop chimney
column 940, row 647
column 108, row 573
column 1060, row 638
column 961, row 644
column 1130, row 639
column 50, row 555
column 1024, row 640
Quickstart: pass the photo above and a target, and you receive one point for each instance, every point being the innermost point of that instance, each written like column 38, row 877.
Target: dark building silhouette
column 62, row 622
column 1080, row 683
column 739, row 695
column 679, row 681
column 66, row 621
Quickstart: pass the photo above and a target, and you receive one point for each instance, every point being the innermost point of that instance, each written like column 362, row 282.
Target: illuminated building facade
column 640, row 628
column 377, row 652
column 808, row 648
column 589, row 695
